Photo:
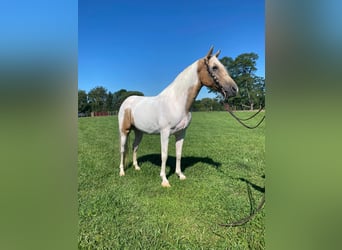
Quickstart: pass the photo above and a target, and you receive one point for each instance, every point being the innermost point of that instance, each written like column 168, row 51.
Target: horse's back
column 139, row 103
column 129, row 101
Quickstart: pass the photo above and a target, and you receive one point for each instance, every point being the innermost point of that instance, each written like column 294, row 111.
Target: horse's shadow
column 186, row 162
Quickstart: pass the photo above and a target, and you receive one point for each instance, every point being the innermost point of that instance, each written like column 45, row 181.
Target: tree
column 121, row 95
column 109, row 101
column 207, row 104
column 83, row 105
column 98, row 99
column 259, row 90
column 251, row 87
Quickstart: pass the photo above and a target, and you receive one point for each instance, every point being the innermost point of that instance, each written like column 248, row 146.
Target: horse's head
column 214, row 75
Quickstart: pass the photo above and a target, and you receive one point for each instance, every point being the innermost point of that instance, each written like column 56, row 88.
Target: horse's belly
column 147, row 122
column 153, row 123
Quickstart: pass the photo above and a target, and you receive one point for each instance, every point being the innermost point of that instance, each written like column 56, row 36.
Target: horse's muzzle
column 234, row 90
column 230, row 90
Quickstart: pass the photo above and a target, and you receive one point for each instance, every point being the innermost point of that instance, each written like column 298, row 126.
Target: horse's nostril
column 234, row 89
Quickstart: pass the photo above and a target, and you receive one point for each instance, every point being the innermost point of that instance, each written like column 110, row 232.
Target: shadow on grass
column 254, row 186
column 186, row 162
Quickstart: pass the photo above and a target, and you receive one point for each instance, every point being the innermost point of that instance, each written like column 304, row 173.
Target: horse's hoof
column 122, row 173
column 137, row 168
column 182, row 177
column 166, row 184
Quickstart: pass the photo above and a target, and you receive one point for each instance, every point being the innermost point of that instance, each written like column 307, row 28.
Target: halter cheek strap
column 213, row 76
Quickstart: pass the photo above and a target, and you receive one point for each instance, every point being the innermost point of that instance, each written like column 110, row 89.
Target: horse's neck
column 184, row 89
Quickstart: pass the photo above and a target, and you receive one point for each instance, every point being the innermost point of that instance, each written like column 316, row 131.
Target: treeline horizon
column 99, row 99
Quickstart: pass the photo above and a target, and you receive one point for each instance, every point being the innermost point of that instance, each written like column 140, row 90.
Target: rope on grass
column 252, row 211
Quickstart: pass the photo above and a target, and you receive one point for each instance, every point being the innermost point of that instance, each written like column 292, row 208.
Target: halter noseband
column 213, row 76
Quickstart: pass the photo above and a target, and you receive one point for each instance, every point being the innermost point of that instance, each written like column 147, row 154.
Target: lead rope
column 252, row 212
column 226, row 105
column 262, row 202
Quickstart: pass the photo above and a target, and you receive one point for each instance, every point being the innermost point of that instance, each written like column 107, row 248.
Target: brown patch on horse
column 127, row 121
column 203, row 79
column 203, row 74
column 192, row 94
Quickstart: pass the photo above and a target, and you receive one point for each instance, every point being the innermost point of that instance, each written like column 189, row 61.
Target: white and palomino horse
column 169, row 112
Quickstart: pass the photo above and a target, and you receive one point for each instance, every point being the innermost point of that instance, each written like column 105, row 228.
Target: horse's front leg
column 179, row 145
column 164, row 140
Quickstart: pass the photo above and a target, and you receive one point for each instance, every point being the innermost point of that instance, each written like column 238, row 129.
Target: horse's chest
column 184, row 123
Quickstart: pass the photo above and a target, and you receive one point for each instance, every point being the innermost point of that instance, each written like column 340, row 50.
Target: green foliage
column 207, row 104
column 121, row 95
column 99, row 100
column 135, row 212
column 83, row 105
column 109, row 102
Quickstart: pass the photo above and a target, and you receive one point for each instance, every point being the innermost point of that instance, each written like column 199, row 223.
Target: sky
column 144, row 45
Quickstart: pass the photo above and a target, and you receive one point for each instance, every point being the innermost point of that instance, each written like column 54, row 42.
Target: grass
column 135, row 212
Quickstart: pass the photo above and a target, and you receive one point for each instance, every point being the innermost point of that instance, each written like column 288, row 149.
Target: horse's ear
column 210, row 52
column 218, row 53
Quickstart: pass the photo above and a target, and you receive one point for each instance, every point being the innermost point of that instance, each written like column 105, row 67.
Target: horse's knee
column 164, row 158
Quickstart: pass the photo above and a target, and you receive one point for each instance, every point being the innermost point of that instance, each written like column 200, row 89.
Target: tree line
column 100, row 99
column 242, row 69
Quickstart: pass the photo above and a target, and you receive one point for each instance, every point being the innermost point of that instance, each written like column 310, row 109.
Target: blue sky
column 144, row 45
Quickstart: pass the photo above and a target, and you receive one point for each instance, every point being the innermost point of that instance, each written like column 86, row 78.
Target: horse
column 168, row 113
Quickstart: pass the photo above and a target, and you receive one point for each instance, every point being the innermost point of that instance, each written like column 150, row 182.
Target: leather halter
column 213, row 76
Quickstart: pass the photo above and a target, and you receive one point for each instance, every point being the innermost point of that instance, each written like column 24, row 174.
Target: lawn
column 220, row 158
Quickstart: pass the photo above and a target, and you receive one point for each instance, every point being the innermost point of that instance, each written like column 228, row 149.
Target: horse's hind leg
column 123, row 152
column 138, row 136
column 125, row 124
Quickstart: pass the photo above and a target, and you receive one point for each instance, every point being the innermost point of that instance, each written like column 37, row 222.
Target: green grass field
column 135, row 212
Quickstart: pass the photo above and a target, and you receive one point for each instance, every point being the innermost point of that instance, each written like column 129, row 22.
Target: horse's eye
column 215, row 68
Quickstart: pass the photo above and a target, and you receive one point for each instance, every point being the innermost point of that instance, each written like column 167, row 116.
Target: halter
column 213, row 76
